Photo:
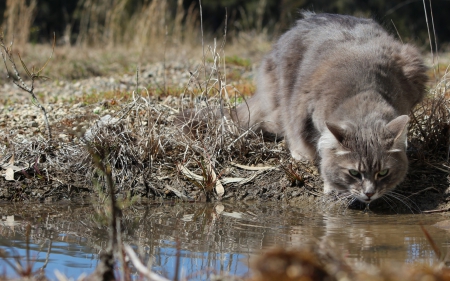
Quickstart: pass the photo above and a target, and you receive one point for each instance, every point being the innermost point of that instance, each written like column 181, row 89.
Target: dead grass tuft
column 19, row 16
column 429, row 131
column 126, row 24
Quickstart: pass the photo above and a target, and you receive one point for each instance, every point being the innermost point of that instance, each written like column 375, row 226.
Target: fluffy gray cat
column 339, row 90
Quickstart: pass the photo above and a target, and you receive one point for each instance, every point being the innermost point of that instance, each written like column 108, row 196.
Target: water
column 209, row 239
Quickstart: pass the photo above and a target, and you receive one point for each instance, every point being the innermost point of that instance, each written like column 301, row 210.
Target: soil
column 147, row 152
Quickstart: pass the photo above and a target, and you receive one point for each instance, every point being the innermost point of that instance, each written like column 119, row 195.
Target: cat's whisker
column 361, row 140
column 350, row 202
column 346, row 200
column 339, row 200
column 403, row 199
column 331, row 200
column 388, row 200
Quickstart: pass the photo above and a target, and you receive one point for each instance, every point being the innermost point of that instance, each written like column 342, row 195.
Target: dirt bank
column 131, row 127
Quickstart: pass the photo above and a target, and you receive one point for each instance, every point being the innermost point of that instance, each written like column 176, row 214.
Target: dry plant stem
column 433, row 245
column 140, row 267
column 429, row 37
column 47, row 257
column 113, row 219
column 19, row 16
column 8, row 55
column 396, row 30
column 435, row 41
column 201, row 27
column 164, row 62
column 177, row 262
column 136, row 91
column 23, row 270
column 120, row 252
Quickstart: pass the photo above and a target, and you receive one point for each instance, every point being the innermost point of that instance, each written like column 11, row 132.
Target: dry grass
column 144, row 142
column 429, row 131
column 145, row 147
column 323, row 262
column 117, row 36
column 18, row 19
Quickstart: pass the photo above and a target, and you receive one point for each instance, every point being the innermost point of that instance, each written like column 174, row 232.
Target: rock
column 63, row 136
column 97, row 110
column 78, row 105
column 105, row 120
column 33, row 124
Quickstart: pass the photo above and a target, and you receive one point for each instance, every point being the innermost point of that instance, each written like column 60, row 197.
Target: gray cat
column 339, row 89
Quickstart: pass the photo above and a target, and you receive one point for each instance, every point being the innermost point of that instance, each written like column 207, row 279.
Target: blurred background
column 143, row 22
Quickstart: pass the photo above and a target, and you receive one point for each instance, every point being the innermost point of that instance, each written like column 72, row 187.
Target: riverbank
column 129, row 117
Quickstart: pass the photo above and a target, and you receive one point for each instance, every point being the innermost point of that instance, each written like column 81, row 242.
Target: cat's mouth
column 368, row 198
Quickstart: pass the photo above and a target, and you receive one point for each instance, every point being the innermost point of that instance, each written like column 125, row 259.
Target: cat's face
column 364, row 178
column 364, row 162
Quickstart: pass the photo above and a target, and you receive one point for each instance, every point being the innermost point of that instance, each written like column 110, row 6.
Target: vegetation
column 137, row 130
column 132, row 142
column 125, row 21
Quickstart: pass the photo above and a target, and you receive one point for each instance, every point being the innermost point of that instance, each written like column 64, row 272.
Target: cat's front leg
column 301, row 150
column 327, row 187
column 298, row 156
column 298, row 132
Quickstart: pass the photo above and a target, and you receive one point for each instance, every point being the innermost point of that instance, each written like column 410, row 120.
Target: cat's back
column 322, row 28
column 326, row 60
column 318, row 37
column 341, row 56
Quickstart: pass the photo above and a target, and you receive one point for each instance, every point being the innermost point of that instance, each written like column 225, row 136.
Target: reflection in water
column 208, row 239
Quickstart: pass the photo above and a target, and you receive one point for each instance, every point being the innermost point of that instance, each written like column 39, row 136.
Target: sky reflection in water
column 213, row 239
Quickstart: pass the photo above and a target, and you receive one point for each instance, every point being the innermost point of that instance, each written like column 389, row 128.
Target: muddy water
column 209, row 239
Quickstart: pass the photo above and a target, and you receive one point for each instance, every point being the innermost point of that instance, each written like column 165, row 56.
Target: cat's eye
column 354, row 173
column 383, row 173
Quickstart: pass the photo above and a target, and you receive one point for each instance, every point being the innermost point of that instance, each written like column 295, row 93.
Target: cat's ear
column 337, row 131
column 398, row 127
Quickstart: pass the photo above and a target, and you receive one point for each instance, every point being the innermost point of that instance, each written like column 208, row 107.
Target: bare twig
column 201, row 27
column 7, row 54
column 140, row 267
column 433, row 245
column 429, row 38
column 106, row 265
column 437, row 211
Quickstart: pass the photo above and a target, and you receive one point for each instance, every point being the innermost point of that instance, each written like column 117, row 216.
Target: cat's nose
column 369, row 194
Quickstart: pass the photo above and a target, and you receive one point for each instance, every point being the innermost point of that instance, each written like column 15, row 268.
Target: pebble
column 97, row 110
column 78, row 105
column 62, row 136
column 21, row 115
column 33, row 124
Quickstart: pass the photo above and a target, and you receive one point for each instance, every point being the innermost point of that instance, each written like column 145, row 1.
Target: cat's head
column 365, row 160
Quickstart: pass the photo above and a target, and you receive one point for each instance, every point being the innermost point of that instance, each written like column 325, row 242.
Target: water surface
column 209, row 238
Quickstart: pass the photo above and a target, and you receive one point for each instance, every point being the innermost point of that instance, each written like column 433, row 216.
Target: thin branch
column 7, row 54
column 203, row 43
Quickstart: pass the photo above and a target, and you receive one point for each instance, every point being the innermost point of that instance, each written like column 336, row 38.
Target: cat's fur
column 339, row 89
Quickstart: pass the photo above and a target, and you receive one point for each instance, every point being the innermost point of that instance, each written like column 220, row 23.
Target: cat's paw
column 299, row 157
column 327, row 188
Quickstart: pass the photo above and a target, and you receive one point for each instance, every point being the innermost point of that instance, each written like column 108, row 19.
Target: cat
column 339, row 90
